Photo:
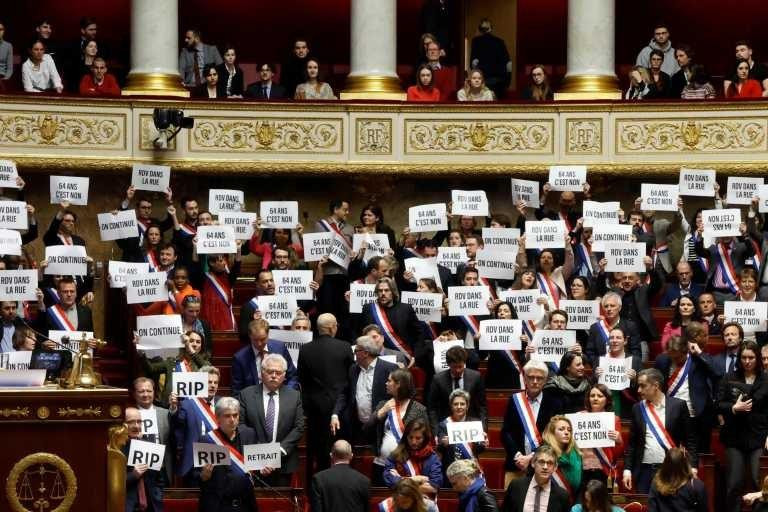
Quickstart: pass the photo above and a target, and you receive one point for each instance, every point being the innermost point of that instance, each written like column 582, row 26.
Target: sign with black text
column 610, row 233
column 440, row 348
column 500, row 334
column 551, row 345
column 190, row 384
column 426, row 305
column 614, row 374
column 657, row 197
column 375, row 244
column 119, row 272
column 66, row 260
column 721, row 223
column 13, row 215
column 144, row 452
column 469, row 202
column 545, row 234
column 279, row 214
column 493, row 264
column 525, row 303
column 18, row 285
column 741, row 190
column 240, row 222
column 19, row 360
column 10, row 242
column 317, row 245
column 69, row 188
column 600, row 213
column 501, row 239
column 149, row 287
column 763, row 199
column 451, row 257
column 148, row 421
column 697, row 182
column 422, row 268
column 340, row 252
column 278, row 311
column 468, row 300
column 360, row 294
column 293, row 341
column 751, row 316
column 260, row 456
column 209, row 453
column 293, row 283
column 118, row 225
column 465, row 432
column 155, row 178
column 624, row 257
column 216, row 240
column 427, row 217
column 567, row 177
column 581, row 313
column 223, row 200
column 8, row 174
column 526, row 191
column 158, row 332
column 590, row 429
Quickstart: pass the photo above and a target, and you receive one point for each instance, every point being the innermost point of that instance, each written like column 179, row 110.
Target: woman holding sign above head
column 459, row 402
column 600, row 463
column 559, row 435
column 505, row 367
column 550, row 279
column 372, row 221
column 415, row 458
column 570, row 384
column 277, row 239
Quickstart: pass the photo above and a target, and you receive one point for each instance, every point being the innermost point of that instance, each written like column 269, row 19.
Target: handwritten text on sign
column 581, row 313
column 209, row 453
column 149, row 287
column 465, row 432
column 240, row 222
column 279, row 214
column 426, row 305
column 696, row 182
column 221, row 200
column 526, row 191
column 500, row 334
column 590, row 429
column 427, row 217
column 468, row 300
column 260, row 456
column 615, row 372
column 544, row 234
column 66, row 260
column 118, row 226
column 317, row 245
column 751, row 316
column 552, row 345
column 469, row 202
column 13, row 215
column 293, row 283
column 18, row 285
column 567, row 177
column 625, row 257
column 155, row 178
column 659, row 197
column 216, row 240
column 69, row 188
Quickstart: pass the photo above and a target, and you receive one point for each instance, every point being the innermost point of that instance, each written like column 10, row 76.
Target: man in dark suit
column 62, row 228
column 537, row 493
column 642, row 459
column 597, row 341
column 246, row 363
column 353, row 410
column 727, row 361
column 323, row 364
column 340, row 488
column 144, row 398
column 396, row 316
column 67, row 315
column 457, row 376
column 274, row 411
column 684, row 286
column 143, row 486
column 717, row 282
column 266, row 88
column 227, row 488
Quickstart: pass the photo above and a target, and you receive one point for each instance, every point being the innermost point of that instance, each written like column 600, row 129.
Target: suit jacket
column 413, row 411
column 154, row 483
column 225, row 484
column 677, row 422
column 339, row 488
column 290, row 421
column 512, row 428
column 51, row 236
column 84, row 321
column 244, row 372
column 739, row 253
column 346, row 401
column 403, row 319
column 187, row 427
column 276, row 92
column 211, row 55
column 514, row 498
column 165, row 438
column 642, row 295
column 323, row 365
column 442, row 386
column 720, row 364
column 702, row 378
column 672, row 293
column 596, row 346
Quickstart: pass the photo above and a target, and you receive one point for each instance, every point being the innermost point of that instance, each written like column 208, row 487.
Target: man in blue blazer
column 684, row 286
column 247, row 361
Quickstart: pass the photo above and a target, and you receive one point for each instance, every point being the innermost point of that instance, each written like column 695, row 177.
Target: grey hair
column 463, row 467
column 458, row 392
column 227, row 403
column 366, row 343
column 611, row 295
column 274, row 358
column 535, row 365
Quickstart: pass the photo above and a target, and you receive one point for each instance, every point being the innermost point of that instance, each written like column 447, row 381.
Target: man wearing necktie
column 144, row 397
column 194, row 56
column 725, row 362
column 457, row 376
column 265, row 88
column 143, row 486
column 537, row 493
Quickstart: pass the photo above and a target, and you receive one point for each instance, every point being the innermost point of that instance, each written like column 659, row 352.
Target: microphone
column 65, row 340
column 293, row 501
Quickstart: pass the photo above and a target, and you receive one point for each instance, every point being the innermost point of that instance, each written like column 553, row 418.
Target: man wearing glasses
column 537, row 493
column 662, row 43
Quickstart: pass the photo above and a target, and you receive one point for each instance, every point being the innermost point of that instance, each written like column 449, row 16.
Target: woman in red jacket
column 424, row 90
column 743, row 86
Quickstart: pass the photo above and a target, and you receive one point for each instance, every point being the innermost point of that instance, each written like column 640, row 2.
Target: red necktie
column 142, row 490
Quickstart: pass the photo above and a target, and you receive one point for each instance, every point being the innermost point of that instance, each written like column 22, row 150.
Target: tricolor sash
column 54, row 294
column 394, row 340
column 333, row 227
column 59, row 318
column 173, row 302
column 464, row 449
column 222, row 293
column 605, row 461
column 548, row 288
column 604, row 330
column 411, row 468
column 679, row 377
column 471, row 323
column 525, row 412
column 702, row 261
column 411, row 253
column 653, row 422
column 205, row 412
column 564, row 217
column 188, row 230
column 491, row 287
column 149, row 257
column 143, row 227
column 727, row 268
column 388, row 505
column 585, row 256
column 182, row 366
column 758, row 257
column 559, row 479
column 237, row 461
column 396, row 424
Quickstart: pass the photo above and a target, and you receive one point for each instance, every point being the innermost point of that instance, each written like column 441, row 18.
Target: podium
column 54, row 447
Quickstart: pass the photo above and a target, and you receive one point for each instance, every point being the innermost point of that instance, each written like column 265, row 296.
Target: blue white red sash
column 173, row 302
column 548, row 288
column 585, row 256
column 54, row 294
column 679, row 377
column 471, row 323
column 564, row 217
column 465, row 449
column 206, row 413
column 388, row 505
column 334, row 228
column 703, row 262
column 236, row 459
column 559, row 479
column 143, row 227
column 59, row 318
column 396, row 425
column 223, row 294
column 605, row 461
column 411, row 252
column 727, row 268
column 254, row 302
column 411, row 468
column 149, row 257
column 188, row 230
column 491, row 287
column 527, row 419
column 758, row 256
column 604, row 330
column 394, row 340
column 182, row 366
column 653, row 422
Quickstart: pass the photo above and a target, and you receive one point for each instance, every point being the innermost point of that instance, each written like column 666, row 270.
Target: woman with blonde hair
column 559, row 435
column 674, row 488
column 639, row 78
column 475, row 88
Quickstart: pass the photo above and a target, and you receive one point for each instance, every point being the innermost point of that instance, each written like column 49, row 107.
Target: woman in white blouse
column 475, row 88
column 313, row 88
column 38, row 73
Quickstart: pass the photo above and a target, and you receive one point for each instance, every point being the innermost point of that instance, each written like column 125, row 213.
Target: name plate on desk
column 21, row 378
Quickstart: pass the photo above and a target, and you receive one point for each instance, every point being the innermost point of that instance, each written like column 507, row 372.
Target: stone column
column 591, row 70
column 373, row 52
column 155, row 49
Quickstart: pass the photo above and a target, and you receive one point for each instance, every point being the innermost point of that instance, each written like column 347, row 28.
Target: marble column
column 591, row 70
column 155, row 49
column 373, row 52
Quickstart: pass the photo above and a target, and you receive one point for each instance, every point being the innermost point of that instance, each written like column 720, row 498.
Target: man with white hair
column 274, row 411
column 597, row 342
column 340, row 488
column 468, row 481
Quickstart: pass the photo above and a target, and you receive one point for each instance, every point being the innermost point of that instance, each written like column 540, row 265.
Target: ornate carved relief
column 584, row 136
column 41, row 481
column 81, row 131
column 706, row 135
column 79, row 412
column 374, row 136
column 492, row 137
column 148, row 133
column 274, row 135
column 16, row 412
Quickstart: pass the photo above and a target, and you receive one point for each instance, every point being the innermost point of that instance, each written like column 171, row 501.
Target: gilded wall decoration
column 78, row 131
column 148, row 133
column 374, row 136
column 79, row 412
column 490, row 137
column 585, row 136
column 41, row 481
column 705, row 135
column 267, row 135
column 16, row 412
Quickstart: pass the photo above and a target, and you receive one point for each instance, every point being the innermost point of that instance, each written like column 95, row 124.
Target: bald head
column 326, row 324
column 341, row 452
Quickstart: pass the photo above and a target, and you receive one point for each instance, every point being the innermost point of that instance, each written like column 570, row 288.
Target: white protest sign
column 8, row 174
column 468, row 300
column 10, row 242
column 293, row 283
column 469, row 202
column 600, row 213
column 209, row 453
column 278, row 311
column 465, row 432
column 493, row 264
column 426, row 305
column 224, row 200
column 590, row 429
column 657, row 197
column 190, row 384
column 501, row 239
column 751, row 316
column 19, row 360
column 66, row 260
column 155, row 178
column 69, row 188
column 279, row 214
column 144, row 452
column 625, row 257
column 551, row 345
column 721, row 223
column 216, row 240
column 340, row 252
column 422, row 268
column 240, row 222
column 615, row 372
column 149, row 287
column 581, row 313
column 118, row 226
column 375, row 244
column 567, row 177
column 500, row 334
column 13, row 215
column 544, row 234
column 260, row 456
column 697, row 182
column 317, row 245
column 159, row 332
column 610, row 233
column 526, row 191
column 763, row 203
column 149, row 421
column 440, row 348
column 524, row 302
column 293, row 340
column 119, row 271
column 741, row 190
column 427, row 217
column 451, row 257
column 18, row 285
column 360, row 294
